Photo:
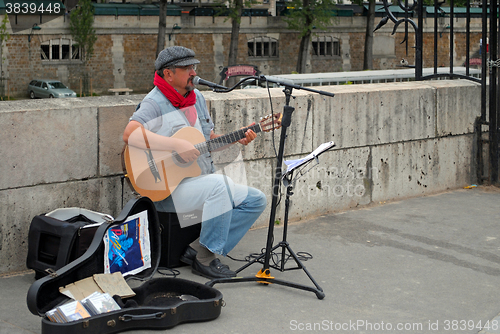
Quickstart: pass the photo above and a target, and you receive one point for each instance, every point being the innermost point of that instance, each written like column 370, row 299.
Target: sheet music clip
column 292, row 165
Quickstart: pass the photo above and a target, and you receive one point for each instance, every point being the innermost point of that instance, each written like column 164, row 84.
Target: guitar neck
column 213, row 144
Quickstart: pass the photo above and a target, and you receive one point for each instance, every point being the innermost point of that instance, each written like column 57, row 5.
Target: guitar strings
column 224, row 140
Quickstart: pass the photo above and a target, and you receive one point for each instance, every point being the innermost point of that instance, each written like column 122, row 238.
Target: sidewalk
column 422, row 265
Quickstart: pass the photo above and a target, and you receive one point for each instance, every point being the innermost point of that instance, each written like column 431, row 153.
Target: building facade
column 126, row 47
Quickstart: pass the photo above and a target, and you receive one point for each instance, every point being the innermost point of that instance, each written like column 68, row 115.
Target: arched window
column 60, row 49
column 263, row 47
column 325, row 46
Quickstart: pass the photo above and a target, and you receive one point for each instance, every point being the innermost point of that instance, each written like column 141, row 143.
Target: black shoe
column 214, row 270
column 189, row 255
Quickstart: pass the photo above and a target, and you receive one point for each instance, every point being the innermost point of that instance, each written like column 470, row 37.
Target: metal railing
column 489, row 65
column 375, row 76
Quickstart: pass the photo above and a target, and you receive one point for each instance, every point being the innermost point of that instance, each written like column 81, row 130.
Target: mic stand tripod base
column 265, row 278
column 264, row 275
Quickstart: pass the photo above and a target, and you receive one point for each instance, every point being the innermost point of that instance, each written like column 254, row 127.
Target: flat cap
column 175, row 56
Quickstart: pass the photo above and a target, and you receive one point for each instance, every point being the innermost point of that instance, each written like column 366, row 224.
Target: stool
column 175, row 239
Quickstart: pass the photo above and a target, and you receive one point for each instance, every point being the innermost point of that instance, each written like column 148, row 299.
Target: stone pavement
column 422, row 265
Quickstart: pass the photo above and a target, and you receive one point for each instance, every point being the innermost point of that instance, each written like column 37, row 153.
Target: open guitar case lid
column 156, row 304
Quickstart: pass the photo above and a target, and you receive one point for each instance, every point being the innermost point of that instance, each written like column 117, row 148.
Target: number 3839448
column 18, row 7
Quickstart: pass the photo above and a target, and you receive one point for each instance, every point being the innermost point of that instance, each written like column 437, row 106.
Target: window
column 326, row 46
column 263, row 47
column 60, row 49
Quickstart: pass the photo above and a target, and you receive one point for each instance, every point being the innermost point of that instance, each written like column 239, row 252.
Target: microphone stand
column 264, row 275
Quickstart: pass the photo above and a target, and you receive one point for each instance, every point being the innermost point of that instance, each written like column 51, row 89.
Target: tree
column 234, row 13
column 81, row 28
column 233, row 9
column 305, row 16
column 370, row 23
column 162, row 27
column 4, row 36
column 235, row 16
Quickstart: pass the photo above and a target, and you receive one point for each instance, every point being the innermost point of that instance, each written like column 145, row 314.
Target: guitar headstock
column 270, row 122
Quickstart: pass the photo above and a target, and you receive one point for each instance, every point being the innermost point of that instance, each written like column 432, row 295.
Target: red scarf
column 185, row 104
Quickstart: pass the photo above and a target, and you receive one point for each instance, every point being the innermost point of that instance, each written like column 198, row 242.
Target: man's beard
column 190, row 86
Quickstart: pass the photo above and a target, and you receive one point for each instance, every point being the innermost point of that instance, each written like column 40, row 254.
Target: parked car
column 49, row 88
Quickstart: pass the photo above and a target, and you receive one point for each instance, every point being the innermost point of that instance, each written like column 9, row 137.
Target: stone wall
column 393, row 140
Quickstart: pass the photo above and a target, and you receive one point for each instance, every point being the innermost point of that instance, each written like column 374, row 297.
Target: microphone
column 199, row 81
column 288, row 82
column 279, row 81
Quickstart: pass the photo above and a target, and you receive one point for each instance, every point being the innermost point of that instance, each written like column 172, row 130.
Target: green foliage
column 306, row 15
column 460, row 3
column 231, row 8
column 456, row 3
column 4, row 34
column 81, row 22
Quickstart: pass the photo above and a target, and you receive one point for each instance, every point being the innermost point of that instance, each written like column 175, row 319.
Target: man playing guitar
column 229, row 209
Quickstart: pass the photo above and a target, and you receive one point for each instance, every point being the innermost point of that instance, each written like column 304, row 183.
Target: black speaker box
column 53, row 243
column 174, row 239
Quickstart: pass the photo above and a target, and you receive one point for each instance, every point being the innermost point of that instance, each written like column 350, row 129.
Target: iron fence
column 489, row 62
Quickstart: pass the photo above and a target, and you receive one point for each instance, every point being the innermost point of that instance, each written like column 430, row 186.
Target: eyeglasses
column 188, row 68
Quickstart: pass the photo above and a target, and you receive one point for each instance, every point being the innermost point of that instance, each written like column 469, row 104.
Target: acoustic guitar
column 156, row 173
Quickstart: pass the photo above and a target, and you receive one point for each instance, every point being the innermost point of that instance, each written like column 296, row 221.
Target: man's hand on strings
column 186, row 150
column 250, row 135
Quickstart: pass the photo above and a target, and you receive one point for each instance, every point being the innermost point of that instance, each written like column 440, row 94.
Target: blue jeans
column 229, row 209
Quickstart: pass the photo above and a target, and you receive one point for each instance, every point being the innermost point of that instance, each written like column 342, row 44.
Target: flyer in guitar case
column 127, row 246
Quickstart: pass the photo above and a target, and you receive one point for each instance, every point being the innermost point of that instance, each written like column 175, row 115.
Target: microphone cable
column 272, row 113
column 275, row 257
column 168, row 272
column 274, row 142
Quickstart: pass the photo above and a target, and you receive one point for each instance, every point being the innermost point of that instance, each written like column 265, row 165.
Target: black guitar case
column 158, row 303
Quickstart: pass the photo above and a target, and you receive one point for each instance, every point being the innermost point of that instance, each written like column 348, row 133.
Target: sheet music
column 293, row 164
